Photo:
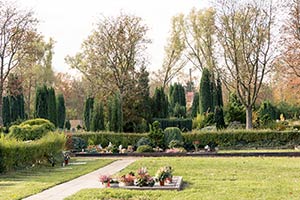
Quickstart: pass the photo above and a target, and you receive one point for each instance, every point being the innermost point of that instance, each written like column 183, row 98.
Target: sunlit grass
column 19, row 184
column 215, row 178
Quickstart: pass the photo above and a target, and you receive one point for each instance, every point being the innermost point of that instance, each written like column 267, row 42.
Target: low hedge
column 104, row 138
column 183, row 124
column 16, row 154
column 237, row 139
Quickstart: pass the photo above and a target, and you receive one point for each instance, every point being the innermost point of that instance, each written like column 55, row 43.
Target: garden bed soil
column 176, row 184
column 192, row 154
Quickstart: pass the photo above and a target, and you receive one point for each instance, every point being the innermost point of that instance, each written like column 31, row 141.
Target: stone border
column 175, row 185
column 200, row 154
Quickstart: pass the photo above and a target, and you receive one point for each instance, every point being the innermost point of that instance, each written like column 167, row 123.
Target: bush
column 236, row 139
column 172, row 133
column 78, row 144
column 183, row 124
column 175, row 144
column 16, row 154
column 144, row 149
column 143, row 141
column 156, row 135
column 104, row 138
column 31, row 129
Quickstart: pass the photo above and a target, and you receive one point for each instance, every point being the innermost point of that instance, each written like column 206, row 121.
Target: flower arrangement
column 104, row 179
column 196, row 144
column 143, row 178
column 127, row 179
column 163, row 174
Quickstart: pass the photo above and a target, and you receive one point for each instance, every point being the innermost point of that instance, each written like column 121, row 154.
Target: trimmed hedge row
column 104, row 138
column 183, row 124
column 236, row 139
column 16, row 154
column 230, row 139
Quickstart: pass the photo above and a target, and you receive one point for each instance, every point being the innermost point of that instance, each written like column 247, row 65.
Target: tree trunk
column 1, row 105
column 249, row 117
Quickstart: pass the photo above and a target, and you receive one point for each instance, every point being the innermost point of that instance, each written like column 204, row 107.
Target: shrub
column 172, row 133
column 31, row 129
column 175, row 144
column 236, row 139
column 16, row 154
column 156, row 135
column 143, row 141
column 78, row 144
column 144, row 149
column 182, row 124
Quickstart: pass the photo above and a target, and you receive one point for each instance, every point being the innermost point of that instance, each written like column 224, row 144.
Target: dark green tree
column 205, row 94
column 52, row 110
column 117, row 114
column 160, row 104
column 6, row 111
column 88, row 112
column 195, row 105
column 219, row 117
column 219, row 96
column 177, row 100
column 235, row 110
column 68, row 125
column 41, row 102
column 61, row 111
column 98, row 118
column 156, row 135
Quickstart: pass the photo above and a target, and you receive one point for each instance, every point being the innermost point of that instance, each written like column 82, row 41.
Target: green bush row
column 183, row 124
column 16, row 154
column 104, row 138
column 236, row 139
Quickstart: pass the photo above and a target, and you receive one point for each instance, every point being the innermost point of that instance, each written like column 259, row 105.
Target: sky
column 69, row 22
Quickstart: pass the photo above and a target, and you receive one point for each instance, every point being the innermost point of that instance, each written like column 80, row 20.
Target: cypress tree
column 206, row 95
column 41, row 103
column 98, row 118
column 61, row 111
column 219, row 97
column 117, row 114
column 160, row 103
column 195, row 105
column 6, row 111
column 52, row 106
column 88, row 111
column 219, row 117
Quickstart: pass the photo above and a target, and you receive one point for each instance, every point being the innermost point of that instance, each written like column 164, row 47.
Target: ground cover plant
column 214, row 178
column 22, row 183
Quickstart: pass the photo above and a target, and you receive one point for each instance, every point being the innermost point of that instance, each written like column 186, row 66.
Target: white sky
column 69, row 22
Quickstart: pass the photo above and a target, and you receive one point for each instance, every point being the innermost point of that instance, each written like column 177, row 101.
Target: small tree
column 205, row 94
column 88, row 112
column 61, row 111
column 156, row 134
column 51, row 106
column 219, row 117
column 195, row 105
column 41, row 103
column 160, row 104
column 177, row 99
column 235, row 110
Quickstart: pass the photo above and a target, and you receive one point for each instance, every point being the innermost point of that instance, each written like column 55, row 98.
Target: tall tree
column 116, row 116
column 61, row 111
column 6, row 111
column 160, row 104
column 98, row 118
column 195, row 105
column 52, row 110
column 112, row 55
column 205, row 94
column 244, row 32
column 15, row 26
column 88, row 112
column 177, row 100
column 41, row 102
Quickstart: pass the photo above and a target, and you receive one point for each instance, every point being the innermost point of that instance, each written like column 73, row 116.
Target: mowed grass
column 23, row 183
column 215, row 179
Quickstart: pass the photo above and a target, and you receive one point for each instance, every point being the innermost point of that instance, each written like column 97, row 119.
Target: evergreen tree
column 41, row 103
column 98, row 118
column 51, row 106
column 68, row 125
column 219, row 96
column 205, row 94
column 117, row 114
column 195, row 105
column 61, row 111
column 160, row 104
column 6, row 111
column 219, row 117
column 88, row 112
column 235, row 110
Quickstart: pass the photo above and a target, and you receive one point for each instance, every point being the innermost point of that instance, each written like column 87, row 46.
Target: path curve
column 90, row 180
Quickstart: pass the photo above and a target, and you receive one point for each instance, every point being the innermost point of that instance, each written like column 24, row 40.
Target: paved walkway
column 90, row 180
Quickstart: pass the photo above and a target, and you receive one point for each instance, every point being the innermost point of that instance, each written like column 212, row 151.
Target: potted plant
column 161, row 175
column 143, row 178
column 105, row 180
column 127, row 179
column 169, row 171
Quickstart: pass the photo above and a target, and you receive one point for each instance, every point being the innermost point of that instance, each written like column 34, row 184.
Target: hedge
column 16, row 154
column 237, row 139
column 227, row 139
column 183, row 124
column 104, row 138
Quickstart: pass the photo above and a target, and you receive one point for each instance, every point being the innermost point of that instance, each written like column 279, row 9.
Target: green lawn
column 19, row 184
column 215, row 178
column 258, row 150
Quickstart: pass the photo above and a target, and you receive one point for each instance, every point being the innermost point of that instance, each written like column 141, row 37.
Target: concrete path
column 90, row 180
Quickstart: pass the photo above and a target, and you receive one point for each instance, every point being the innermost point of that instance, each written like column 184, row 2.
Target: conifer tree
column 88, row 112
column 6, row 111
column 205, row 94
column 51, row 106
column 41, row 103
column 195, row 105
column 98, row 118
column 219, row 117
column 160, row 104
column 61, row 111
